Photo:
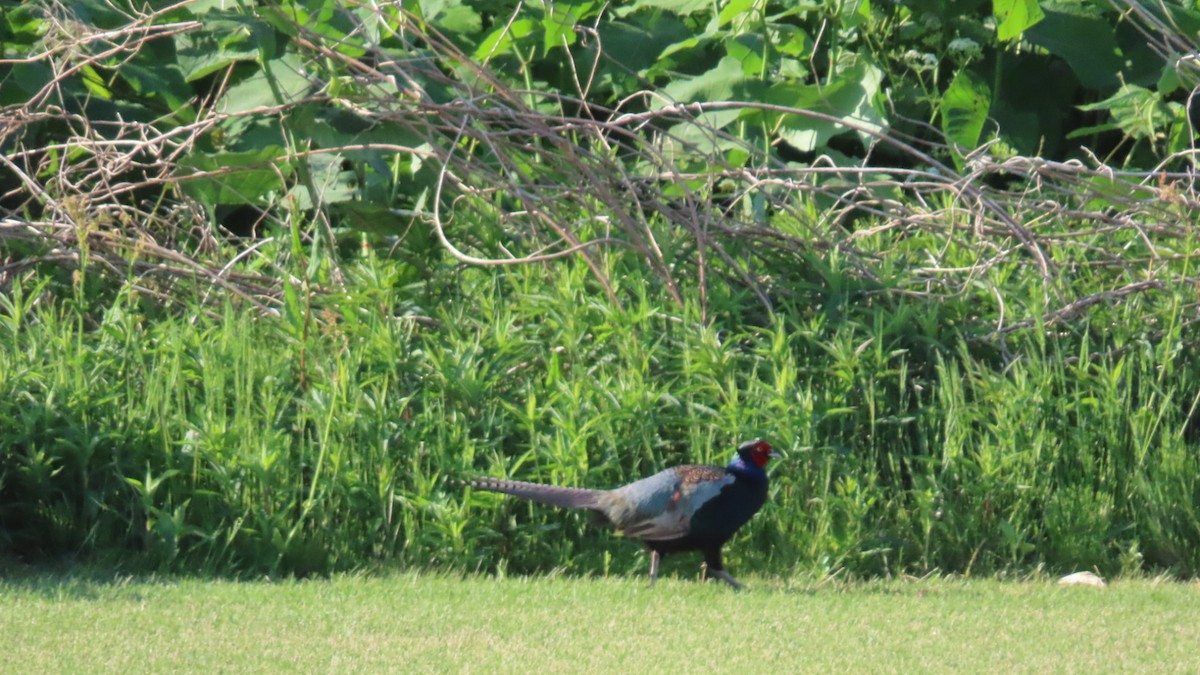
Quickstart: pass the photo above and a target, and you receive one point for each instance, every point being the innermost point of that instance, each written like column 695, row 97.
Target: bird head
column 757, row 452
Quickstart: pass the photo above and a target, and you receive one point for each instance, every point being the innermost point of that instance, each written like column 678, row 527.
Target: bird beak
column 776, row 454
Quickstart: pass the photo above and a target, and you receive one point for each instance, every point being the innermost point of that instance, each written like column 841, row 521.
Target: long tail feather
column 572, row 498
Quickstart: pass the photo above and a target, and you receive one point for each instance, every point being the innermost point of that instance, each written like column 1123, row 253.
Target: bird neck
column 740, row 468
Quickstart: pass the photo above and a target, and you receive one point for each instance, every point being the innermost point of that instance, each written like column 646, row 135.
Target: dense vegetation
column 272, row 272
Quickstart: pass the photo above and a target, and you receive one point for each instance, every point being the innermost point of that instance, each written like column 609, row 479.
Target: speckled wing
column 660, row 507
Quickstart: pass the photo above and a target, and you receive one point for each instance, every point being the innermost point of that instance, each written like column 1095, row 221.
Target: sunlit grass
column 438, row 624
column 240, row 444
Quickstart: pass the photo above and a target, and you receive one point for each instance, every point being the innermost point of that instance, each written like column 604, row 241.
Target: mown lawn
column 432, row 623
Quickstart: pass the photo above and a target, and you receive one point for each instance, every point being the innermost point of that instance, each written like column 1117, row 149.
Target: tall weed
column 323, row 439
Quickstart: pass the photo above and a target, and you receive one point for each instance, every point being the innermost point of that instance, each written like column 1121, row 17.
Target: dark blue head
column 753, row 456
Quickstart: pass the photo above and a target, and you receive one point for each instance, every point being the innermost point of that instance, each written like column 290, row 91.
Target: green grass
column 439, row 624
column 243, row 445
column 275, row 371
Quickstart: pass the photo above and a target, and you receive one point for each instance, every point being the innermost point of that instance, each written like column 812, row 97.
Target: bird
column 692, row 507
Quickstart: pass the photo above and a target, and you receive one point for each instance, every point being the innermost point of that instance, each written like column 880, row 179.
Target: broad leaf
column 330, row 182
column 848, row 97
column 559, row 23
column 236, row 177
column 501, row 40
column 1014, row 17
column 221, row 43
column 164, row 81
column 680, row 7
column 1087, row 44
column 964, row 110
column 718, row 84
column 452, row 16
column 281, row 81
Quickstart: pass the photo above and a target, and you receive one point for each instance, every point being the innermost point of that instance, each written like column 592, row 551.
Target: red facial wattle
column 762, row 455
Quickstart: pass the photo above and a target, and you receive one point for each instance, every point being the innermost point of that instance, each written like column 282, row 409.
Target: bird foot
column 728, row 578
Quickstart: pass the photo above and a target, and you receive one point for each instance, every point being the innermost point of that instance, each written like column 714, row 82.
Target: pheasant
column 694, row 507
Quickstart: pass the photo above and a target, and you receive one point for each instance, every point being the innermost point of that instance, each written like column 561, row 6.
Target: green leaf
column 221, row 43
column 163, row 81
column 792, row 41
column 330, row 182
column 23, row 80
column 1138, row 112
column 718, row 84
column 501, row 40
column 712, row 31
column 1014, row 17
column 22, row 25
column 860, row 13
column 748, row 50
column 376, row 218
column 698, row 136
column 964, row 109
column 848, row 97
column 1169, row 80
column 452, row 16
column 1088, row 44
column 239, row 177
column 640, row 47
column 95, row 83
column 1105, row 192
column 200, row 7
column 735, row 9
column 680, row 7
column 559, row 24
column 280, row 81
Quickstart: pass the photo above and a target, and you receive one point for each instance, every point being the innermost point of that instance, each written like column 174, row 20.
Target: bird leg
column 728, row 578
column 712, row 562
column 653, row 566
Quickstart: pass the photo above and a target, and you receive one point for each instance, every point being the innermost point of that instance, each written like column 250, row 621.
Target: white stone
column 1082, row 579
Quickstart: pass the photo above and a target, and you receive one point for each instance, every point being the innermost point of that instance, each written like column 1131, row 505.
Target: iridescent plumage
column 692, row 507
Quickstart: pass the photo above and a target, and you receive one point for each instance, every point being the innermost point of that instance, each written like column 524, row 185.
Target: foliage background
column 274, row 271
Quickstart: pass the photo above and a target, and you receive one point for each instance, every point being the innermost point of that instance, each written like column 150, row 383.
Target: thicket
column 272, row 271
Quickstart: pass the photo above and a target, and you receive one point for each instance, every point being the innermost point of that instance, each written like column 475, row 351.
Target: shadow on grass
column 68, row 580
